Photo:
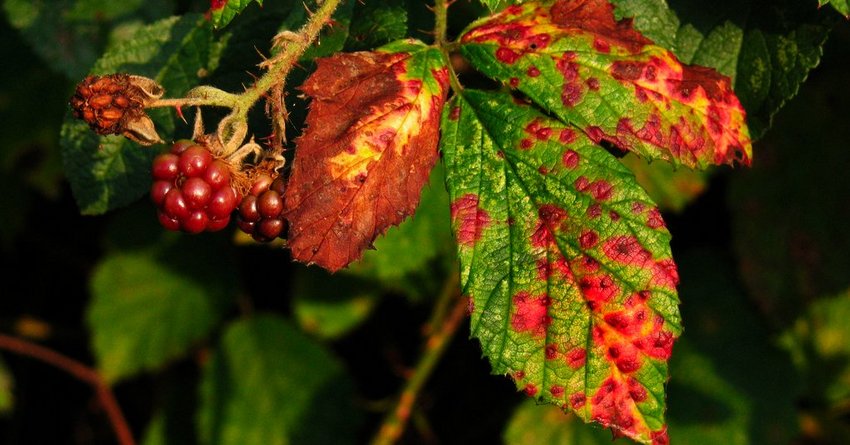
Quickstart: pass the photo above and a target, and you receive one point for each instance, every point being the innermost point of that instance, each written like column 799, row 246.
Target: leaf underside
column 573, row 59
column 368, row 149
column 566, row 261
column 842, row 6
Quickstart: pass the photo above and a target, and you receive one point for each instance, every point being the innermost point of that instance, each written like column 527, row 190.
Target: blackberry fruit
column 192, row 190
column 260, row 214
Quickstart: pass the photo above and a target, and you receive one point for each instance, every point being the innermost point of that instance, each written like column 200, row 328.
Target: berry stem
column 440, row 333
column 441, row 9
column 82, row 373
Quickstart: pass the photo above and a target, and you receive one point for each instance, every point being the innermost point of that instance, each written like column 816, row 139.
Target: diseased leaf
column 728, row 385
column 149, row 309
column 367, row 151
column 107, row 172
column 767, row 49
column 577, row 62
column 223, row 11
column 566, row 260
column 268, row 383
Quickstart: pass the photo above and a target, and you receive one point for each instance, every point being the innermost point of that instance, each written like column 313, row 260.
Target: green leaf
column 566, row 260
column 223, row 11
column 842, row 6
column 788, row 212
column 269, row 384
column 69, row 34
column 573, row 59
column 768, row 50
column 110, row 172
column 377, row 23
column 149, row 308
column 329, row 306
column 669, row 187
column 728, row 385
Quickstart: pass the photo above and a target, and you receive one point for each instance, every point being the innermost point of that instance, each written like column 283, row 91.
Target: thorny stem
column 82, row 373
column 441, row 333
column 276, row 74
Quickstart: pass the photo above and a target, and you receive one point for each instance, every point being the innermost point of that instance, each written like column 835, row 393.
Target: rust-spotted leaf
column 367, row 151
column 574, row 59
column 566, row 260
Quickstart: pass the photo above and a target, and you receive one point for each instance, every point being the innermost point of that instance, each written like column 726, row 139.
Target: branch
column 441, row 333
column 80, row 372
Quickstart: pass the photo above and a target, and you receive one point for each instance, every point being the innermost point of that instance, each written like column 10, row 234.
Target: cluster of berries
column 194, row 192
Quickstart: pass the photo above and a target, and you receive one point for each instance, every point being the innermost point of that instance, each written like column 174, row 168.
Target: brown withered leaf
column 367, row 151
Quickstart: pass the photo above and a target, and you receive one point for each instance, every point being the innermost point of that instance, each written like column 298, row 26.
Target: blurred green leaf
column 70, row 34
column 670, row 188
column 329, row 306
column 270, row 384
column 728, row 385
column 376, row 23
column 820, row 344
column 767, row 48
column 7, row 398
column 790, row 210
column 150, row 307
column 533, row 424
column 107, row 172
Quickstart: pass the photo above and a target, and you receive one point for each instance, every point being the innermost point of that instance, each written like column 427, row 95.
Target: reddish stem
column 80, row 372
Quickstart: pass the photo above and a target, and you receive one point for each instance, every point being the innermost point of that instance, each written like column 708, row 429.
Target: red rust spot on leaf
column 469, row 219
column 454, row 114
column 551, row 352
column 600, row 190
column 530, row 390
column 595, row 134
column 567, row 136
column 611, row 406
column 665, row 274
column 636, row 390
column 570, row 159
column 217, row 4
column 588, row 239
column 598, row 288
column 533, row 71
column 601, row 45
column 654, row 219
column 626, row 249
column 660, row 437
column 507, row 55
column 525, row 144
column 578, row 400
column 514, row 82
column 594, row 211
column 531, row 314
column 550, row 219
column 592, row 83
column 557, row 391
column 576, row 358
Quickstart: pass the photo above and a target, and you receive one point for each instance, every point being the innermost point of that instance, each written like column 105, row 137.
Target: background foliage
column 211, row 341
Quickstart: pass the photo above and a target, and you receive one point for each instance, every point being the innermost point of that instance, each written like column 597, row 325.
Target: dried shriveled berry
column 261, row 212
column 115, row 104
column 192, row 189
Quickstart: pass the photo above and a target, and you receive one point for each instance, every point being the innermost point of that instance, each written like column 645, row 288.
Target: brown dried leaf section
column 367, row 151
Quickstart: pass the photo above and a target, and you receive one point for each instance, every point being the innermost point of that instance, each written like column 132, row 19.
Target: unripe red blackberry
column 192, row 190
column 261, row 212
column 115, row 104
